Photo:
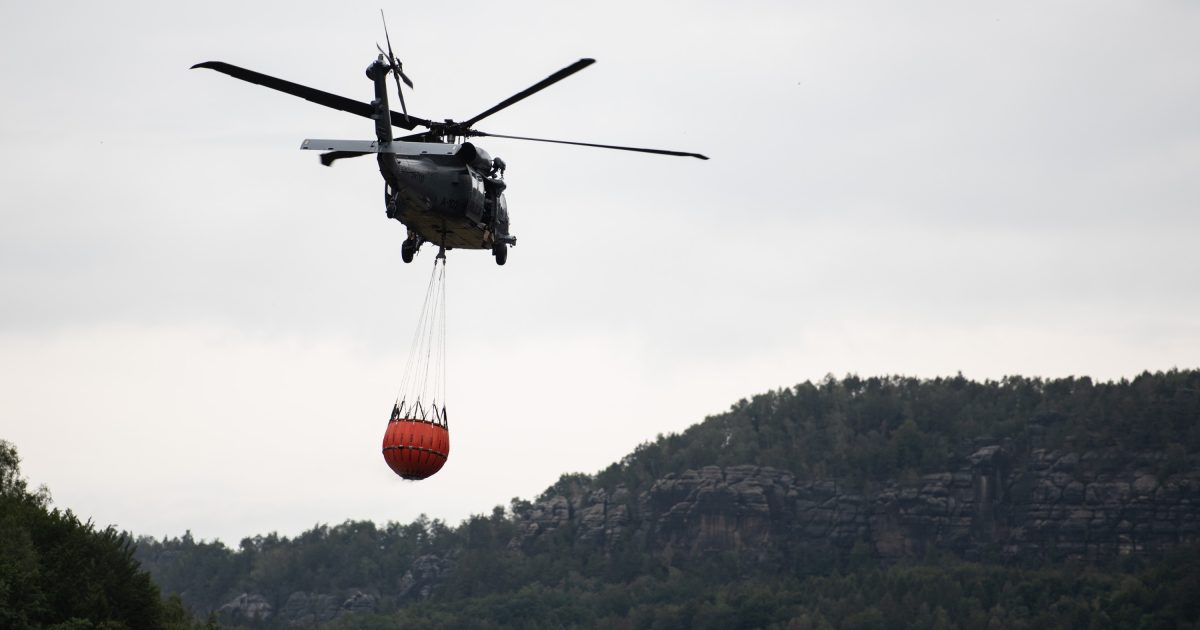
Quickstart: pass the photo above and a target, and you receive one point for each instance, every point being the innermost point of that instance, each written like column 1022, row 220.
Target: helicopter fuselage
column 443, row 198
column 446, row 192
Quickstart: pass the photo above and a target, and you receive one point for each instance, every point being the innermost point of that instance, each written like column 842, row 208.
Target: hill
column 878, row 502
column 58, row 572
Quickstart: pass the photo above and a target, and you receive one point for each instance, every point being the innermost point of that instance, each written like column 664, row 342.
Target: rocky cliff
column 1007, row 502
column 1001, row 502
column 790, row 483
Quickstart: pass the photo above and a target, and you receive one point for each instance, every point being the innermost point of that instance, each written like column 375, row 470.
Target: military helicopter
column 444, row 189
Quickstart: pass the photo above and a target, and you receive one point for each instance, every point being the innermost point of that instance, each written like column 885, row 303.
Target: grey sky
column 203, row 328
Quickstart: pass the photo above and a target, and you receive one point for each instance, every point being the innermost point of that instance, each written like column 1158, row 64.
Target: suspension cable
column 426, row 361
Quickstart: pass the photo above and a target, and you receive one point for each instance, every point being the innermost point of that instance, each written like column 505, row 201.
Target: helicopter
column 443, row 188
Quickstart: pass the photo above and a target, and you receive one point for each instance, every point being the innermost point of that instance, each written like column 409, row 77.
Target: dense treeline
column 323, row 559
column 933, row 595
column 858, row 430
column 882, row 428
column 59, row 572
column 493, row 587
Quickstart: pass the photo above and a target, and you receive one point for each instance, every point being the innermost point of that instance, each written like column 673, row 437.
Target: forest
column 62, row 573
column 57, row 571
column 862, row 431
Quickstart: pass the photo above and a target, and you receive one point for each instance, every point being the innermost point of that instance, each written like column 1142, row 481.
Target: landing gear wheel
column 500, row 251
column 408, row 250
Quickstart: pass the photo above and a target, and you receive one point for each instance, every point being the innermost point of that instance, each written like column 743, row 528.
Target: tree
column 59, row 572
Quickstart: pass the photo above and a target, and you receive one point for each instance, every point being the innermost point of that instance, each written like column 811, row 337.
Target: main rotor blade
column 310, row 94
column 598, row 146
column 535, row 88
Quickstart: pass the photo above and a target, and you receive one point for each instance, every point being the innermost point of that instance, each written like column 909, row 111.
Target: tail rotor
column 397, row 67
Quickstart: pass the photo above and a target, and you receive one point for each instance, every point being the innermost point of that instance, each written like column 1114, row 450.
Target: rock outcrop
column 246, row 607
column 301, row 608
column 1000, row 502
column 425, row 574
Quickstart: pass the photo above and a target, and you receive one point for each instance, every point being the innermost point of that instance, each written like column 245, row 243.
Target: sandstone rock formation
column 424, row 576
column 301, row 608
column 1001, row 502
column 247, row 606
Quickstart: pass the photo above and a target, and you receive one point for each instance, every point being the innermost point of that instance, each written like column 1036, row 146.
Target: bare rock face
column 359, row 602
column 307, row 609
column 599, row 517
column 546, row 517
column 999, row 501
column 246, row 607
column 715, row 508
column 425, row 575
column 311, row 609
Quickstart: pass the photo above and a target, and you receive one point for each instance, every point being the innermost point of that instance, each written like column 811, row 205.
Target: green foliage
column 355, row 554
column 863, row 431
column 59, row 572
column 945, row 594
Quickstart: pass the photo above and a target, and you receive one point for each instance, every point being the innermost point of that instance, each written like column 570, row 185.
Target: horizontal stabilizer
column 372, row 146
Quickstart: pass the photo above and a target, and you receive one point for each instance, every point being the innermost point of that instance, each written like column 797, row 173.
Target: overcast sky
column 202, row 328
